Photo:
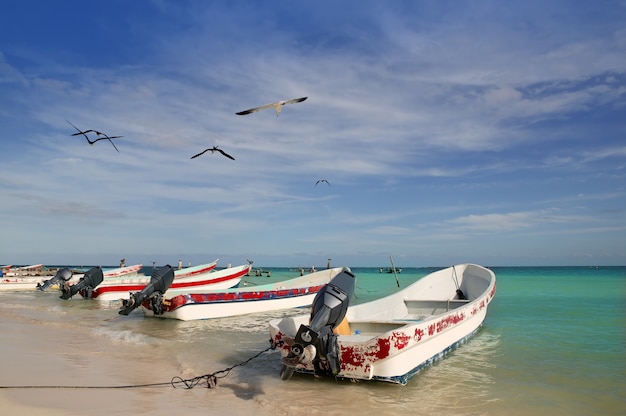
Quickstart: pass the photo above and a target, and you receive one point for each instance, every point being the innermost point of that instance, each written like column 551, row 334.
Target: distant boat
column 392, row 338
column 19, row 283
column 194, row 270
column 292, row 293
column 390, row 270
column 32, row 270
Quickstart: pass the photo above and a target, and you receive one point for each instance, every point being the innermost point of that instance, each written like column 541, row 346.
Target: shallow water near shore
column 553, row 343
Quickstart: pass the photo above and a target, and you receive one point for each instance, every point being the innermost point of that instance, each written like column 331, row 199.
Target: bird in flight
column 91, row 142
column 213, row 150
column 322, row 180
column 276, row 106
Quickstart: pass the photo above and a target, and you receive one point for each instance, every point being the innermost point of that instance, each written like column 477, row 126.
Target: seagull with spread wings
column 276, row 106
column 213, row 150
column 322, row 180
column 91, row 142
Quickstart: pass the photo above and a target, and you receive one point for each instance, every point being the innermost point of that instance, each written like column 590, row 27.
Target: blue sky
column 450, row 131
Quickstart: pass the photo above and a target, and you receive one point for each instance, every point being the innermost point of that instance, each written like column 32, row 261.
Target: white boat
column 194, row 270
column 392, row 338
column 125, row 271
column 21, row 282
column 209, row 280
column 286, row 294
column 22, row 271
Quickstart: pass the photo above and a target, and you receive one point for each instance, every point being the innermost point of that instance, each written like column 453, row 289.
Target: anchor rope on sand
column 211, row 379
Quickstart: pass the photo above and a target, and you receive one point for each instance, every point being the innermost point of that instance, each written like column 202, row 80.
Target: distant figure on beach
column 180, row 264
column 122, row 262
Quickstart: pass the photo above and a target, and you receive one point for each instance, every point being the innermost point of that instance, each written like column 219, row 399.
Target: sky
column 486, row 132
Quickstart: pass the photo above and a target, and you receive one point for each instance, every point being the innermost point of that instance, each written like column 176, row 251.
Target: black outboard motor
column 327, row 311
column 160, row 281
column 92, row 278
column 61, row 276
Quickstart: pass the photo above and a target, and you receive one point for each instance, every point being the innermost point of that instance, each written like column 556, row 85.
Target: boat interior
column 417, row 310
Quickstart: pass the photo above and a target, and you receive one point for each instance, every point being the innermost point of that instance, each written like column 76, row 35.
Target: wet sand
column 43, row 353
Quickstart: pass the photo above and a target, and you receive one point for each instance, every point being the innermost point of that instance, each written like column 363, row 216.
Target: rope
column 211, row 379
column 455, row 278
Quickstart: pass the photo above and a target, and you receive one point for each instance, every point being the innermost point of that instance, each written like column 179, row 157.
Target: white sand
column 34, row 353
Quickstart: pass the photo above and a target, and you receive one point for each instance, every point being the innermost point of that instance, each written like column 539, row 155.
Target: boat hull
column 12, row 283
column 393, row 338
column 295, row 293
column 198, row 311
column 211, row 280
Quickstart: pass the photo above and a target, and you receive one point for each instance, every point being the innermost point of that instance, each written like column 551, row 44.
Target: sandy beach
column 503, row 370
column 45, row 353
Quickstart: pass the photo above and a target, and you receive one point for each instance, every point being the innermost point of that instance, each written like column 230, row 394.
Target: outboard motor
column 160, row 281
column 92, row 278
column 61, row 276
column 316, row 341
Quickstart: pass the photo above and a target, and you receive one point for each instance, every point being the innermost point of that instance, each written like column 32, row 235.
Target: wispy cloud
column 424, row 124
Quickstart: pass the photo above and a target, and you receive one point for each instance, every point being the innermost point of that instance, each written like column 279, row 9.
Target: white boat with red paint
column 392, row 338
column 286, row 294
column 194, row 270
column 123, row 272
column 24, row 282
column 211, row 279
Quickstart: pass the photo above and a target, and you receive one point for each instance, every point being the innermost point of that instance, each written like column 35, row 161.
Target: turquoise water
column 561, row 338
column 556, row 335
column 553, row 343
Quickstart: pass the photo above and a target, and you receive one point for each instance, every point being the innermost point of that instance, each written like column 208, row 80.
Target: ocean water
column 553, row 342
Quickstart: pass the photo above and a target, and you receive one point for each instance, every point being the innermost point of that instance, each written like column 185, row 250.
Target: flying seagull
column 91, row 142
column 213, row 150
column 108, row 138
column 322, row 180
column 276, row 106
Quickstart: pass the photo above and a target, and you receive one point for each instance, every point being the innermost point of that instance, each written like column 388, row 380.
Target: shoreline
column 53, row 354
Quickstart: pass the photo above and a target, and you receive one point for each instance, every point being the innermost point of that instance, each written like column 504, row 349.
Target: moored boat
column 390, row 270
column 392, row 338
column 194, row 270
column 23, row 282
column 292, row 293
column 209, row 280
column 22, row 271
column 125, row 271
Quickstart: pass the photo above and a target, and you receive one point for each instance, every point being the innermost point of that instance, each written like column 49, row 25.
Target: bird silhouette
column 108, row 138
column 91, row 142
column 213, row 150
column 277, row 106
column 322, row 180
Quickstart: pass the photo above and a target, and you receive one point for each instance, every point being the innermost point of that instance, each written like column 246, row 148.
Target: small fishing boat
column 125, row 271
column 194, row 270
column 292, row 293
column 392, row 338
column 32, row 270
column 23, row 282
column 390, row 270
column 211, row 279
